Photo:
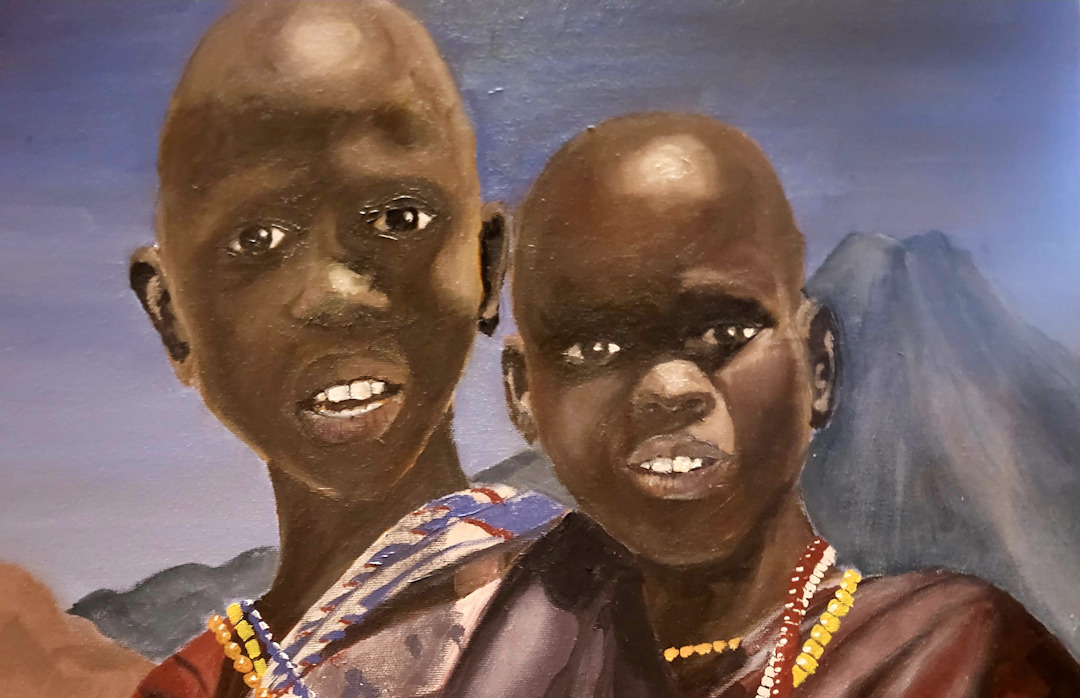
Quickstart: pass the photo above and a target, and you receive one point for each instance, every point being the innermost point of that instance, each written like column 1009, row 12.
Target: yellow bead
column 829, row 622
column 686, row 650
column 704, row 648
column 671, row 653
column 214, row 622
column 734, row 643
column 798, row 676
column 838, row 609
column 719, row 646
column 852, row 576
column 251, row 679
column 223, row 636
column 243, row 664
column 253, row 649
column 233, row 650
column 260, row 666
column 844, row 597
column 821, row 635
column 244, row 630
column 813, row 648
column 806, row 663
column 235, row 613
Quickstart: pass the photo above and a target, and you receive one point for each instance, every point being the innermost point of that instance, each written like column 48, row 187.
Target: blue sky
column 891, row 116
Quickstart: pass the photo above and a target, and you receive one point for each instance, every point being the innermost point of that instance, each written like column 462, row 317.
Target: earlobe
column 824, row 365
column 515, row 384
column 148, row 281
column 494, row 249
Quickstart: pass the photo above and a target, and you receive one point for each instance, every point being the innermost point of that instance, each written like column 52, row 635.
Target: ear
column 824, row 357
column 494, row 249
column 516, row 385
column 148, row 281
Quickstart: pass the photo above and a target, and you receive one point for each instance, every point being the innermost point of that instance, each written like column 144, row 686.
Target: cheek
column 768, row 396
column 455, row 272
column 576, row 422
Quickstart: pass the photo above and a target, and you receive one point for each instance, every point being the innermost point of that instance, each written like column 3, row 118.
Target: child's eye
column 401, row 219
column 257, row 240
column 727, row 336
column 591, row 353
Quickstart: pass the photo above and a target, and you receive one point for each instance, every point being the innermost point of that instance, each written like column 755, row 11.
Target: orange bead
column 233, row 650
column 251, row 679
column 262, row 693
column 243, row 664
column 214, row 622
column 223, row 636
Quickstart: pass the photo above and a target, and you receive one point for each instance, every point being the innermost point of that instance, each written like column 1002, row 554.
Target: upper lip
column 673, row 446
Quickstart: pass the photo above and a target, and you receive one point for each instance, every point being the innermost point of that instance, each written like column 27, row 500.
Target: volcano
column 956, row 440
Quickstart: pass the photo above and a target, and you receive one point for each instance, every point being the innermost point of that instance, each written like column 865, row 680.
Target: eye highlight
column 257, row 240
column 401, row 219
column 725, row 338
column 596, row 353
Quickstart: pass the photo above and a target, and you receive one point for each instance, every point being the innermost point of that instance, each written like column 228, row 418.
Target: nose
column 671, row 395
column 336, row 295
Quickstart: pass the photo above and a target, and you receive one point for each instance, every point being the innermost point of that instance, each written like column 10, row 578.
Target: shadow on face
column 323, row 260
column 668, row 361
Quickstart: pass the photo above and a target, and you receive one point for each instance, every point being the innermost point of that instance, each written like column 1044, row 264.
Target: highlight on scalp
column 326, row 62
column 676, row 154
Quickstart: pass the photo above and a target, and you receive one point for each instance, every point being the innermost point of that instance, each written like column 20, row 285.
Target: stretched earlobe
column 515, row 384
column 148, row 281
column 494, row 248
column 824, row 365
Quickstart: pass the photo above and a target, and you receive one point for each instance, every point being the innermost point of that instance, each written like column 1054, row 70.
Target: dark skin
column 320, row 234
column 670, row 365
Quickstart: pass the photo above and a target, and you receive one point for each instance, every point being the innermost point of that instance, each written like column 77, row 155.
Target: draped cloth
column 414, row 592
column 570, row 620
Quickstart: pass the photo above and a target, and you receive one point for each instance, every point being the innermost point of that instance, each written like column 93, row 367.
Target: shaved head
column 657, row 189
column 293, row 73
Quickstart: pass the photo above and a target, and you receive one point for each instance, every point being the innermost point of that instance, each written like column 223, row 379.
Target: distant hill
column 956, row 443
column 45, row 653
column 957, row 438
column 163, row 612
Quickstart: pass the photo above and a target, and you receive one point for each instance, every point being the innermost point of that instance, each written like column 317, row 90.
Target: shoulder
column 943, row 628
column 193, row 672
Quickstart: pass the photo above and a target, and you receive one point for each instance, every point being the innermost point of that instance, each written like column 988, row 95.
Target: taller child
column 322, row 265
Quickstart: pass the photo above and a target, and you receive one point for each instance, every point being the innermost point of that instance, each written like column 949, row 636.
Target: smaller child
column 672, row 368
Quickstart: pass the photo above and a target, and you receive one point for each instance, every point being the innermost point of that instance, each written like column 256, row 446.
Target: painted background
column 880, row 115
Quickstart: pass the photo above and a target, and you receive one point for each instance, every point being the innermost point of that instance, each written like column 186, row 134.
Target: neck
column 731, row 596
column 322, row 536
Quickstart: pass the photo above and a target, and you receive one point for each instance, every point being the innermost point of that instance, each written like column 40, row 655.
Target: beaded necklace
column 787, row 670
column 250, row 658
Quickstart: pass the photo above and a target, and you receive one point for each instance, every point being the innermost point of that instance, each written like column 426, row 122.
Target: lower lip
column 339, row 430
column 696, row 484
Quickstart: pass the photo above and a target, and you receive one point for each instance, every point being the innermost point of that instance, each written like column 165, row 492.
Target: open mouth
column 362, row 408
column 678, row 467
column 345, row 400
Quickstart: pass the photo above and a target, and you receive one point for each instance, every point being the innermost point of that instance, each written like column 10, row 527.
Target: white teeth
column 377, row 387
column 339, row 393
column 321, row 397
column 360, row 390
column 350, row 412
column 680, row 464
